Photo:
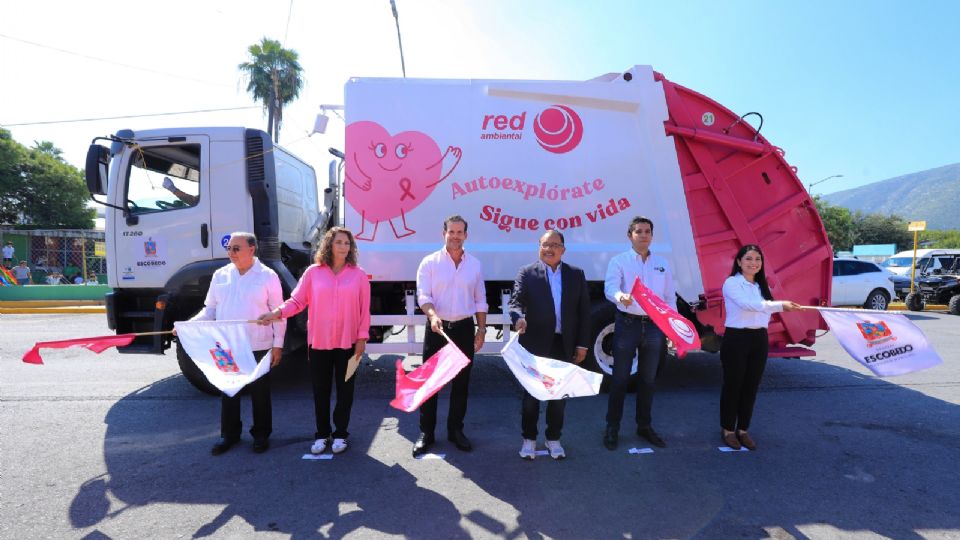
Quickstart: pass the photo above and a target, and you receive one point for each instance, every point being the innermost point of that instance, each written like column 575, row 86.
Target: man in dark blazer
column 550, row 309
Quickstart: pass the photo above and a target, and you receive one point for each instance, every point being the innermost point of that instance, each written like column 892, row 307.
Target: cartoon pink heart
column 388, row 176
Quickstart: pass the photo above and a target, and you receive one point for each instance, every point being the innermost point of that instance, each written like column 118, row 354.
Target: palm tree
column 274, row 78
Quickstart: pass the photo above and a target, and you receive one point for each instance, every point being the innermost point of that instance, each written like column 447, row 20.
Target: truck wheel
column 877, row 299
column 193, row 374
column 600, row 354
column 914, row 302
column 954, row 304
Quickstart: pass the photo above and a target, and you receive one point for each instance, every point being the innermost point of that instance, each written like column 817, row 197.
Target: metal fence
column 61, row 254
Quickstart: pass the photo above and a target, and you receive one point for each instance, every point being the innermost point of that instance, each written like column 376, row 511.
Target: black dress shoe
column 424, row 442
column 460, row 440
column 261, row 445
column 222, row 446
column 651, row 435
column 611, row 437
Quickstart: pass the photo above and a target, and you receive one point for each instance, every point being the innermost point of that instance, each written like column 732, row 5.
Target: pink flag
column 673, row 325
column 96, row 344
column 425, row 381
column 886, row 343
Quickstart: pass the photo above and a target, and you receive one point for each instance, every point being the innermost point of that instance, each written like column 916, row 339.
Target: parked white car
column 861, row 283
column 928, row 260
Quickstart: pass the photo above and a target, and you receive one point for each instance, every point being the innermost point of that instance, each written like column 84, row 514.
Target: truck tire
column 877, row 299
column 600, row 353
column 954, row 304
column 914, row 302
column 193, row 374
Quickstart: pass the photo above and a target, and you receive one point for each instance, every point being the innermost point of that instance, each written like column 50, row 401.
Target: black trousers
column 327, row 366
column 259, row 392
column 744, row 356
column 462, row 334
column 530, row 409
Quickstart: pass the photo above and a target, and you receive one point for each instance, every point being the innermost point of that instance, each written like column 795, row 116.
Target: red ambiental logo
column 558, row 129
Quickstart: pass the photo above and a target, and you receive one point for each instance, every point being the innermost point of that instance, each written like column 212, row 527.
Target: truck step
column 137, row 315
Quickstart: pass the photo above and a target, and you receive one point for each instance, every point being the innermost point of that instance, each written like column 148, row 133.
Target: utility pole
column 403, row 67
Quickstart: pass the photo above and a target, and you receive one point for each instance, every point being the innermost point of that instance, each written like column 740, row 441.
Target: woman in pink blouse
column 336, row 293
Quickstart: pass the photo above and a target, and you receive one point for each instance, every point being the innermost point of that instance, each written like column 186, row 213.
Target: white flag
column 222, row 352
column 887, row 344
column 546, row 378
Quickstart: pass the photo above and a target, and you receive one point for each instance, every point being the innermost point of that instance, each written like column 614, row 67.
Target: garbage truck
column 514, row 158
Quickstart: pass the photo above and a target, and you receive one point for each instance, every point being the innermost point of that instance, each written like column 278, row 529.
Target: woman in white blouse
column 748, row 302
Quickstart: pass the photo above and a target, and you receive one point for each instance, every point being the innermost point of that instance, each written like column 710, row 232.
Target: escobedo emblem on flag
column 875, row 333
column 223, row 359
column 547, row 380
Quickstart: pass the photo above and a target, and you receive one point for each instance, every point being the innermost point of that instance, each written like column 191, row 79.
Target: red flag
column 96, row 344
column 677, row 328
column 425, row 381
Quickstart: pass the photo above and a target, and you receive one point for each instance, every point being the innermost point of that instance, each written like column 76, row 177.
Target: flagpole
column 852, row 310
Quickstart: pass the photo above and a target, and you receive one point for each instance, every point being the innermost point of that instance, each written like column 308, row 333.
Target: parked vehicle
column 514, row 158
column 941, row 286
column 900, row 263
column 861, row 283
column 901, row 286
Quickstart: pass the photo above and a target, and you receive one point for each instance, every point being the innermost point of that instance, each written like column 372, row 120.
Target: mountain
column 933, row 196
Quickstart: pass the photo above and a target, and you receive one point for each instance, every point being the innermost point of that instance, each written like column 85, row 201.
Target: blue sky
column 862, row 89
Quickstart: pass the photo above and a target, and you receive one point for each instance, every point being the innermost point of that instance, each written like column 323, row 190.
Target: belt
column 454, row 324
column 632, row 316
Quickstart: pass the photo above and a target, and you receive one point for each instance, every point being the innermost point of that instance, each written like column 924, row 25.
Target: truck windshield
column 904, row 262
column 162, row 178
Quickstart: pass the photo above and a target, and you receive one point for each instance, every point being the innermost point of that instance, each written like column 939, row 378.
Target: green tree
column 39, row 190
column 949, row 239
column 48, row 147
column 880, row 229
column 838, row 221
column 274, row 78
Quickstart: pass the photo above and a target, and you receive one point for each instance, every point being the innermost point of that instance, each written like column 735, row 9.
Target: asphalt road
column 117, row 446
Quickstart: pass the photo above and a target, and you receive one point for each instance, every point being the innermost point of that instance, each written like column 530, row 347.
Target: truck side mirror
column 97, row 166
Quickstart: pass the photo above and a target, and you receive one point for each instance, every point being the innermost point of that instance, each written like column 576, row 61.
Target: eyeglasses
column 235, row 249
column 551, row 245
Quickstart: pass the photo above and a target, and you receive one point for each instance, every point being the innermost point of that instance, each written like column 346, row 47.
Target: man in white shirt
column 451, row 292
column 8, row 252
column 242, row 290
column 635, row 334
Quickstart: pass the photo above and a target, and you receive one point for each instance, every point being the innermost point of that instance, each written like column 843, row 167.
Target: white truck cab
column 174, row 196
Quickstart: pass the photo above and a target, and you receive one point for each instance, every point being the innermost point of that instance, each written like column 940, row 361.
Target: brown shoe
column 730, row 439
column 746, row 440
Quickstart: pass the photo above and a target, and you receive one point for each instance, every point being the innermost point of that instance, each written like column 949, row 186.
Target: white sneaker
column 529, row 449
column 319, row 446
column 339, row 445
column 556, row 451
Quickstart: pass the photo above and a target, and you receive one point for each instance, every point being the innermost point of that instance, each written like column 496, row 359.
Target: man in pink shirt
column 451, row 292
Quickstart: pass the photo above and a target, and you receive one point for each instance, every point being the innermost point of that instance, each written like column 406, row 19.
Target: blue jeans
column 633, row 336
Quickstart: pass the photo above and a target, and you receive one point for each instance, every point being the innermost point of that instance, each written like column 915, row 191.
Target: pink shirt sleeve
column 300, row 297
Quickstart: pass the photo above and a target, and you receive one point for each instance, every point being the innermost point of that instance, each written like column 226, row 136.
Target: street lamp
column 810, row 186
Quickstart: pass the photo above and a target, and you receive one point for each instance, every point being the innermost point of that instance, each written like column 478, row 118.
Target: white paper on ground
column 432, row 456
column 640, row 450
column 728, row 449
column 316, row 457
